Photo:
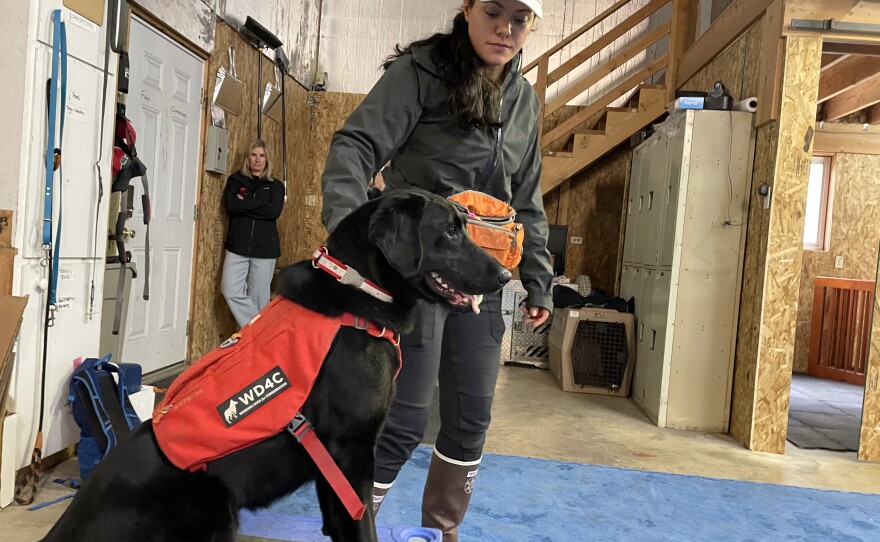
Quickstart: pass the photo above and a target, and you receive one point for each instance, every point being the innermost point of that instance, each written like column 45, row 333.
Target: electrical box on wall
column 216, row 147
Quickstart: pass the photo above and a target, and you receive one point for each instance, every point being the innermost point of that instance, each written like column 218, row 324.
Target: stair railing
column 675, row 28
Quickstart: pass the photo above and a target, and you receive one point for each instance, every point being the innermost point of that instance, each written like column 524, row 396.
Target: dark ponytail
column 474, row 98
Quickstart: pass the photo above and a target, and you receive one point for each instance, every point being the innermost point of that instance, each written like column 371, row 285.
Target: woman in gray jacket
column 451, row 113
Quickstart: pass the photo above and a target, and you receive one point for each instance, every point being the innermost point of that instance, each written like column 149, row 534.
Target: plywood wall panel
column 753, row 44
column 869, row 443
column 328, row 112
column 855, row 231
column 800, row 89
column 736, row 66
column 211, row 320
column 745, row 364
column 295, row 245
column 596, row 214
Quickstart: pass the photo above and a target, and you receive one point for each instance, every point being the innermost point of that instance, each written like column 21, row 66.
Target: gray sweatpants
column 246, row 285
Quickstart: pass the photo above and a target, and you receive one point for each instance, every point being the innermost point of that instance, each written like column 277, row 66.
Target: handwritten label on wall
column 75, row 107
column 65, row 273
column 82, row 22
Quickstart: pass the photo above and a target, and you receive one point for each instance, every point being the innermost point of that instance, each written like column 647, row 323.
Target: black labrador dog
column 412, row 244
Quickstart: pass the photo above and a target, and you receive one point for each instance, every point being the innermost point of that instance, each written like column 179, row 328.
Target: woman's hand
column 535, row 315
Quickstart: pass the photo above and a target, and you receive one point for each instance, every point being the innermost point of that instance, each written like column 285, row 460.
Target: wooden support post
column 564, row 200
column 678, row 37
column 771, row 316
column 541, row 90
column 770, row 70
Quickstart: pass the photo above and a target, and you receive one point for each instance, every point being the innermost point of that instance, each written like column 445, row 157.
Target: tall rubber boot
column 448, row 492
column 379, row 492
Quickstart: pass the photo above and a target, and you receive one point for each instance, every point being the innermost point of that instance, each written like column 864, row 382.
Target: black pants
column 460, row 352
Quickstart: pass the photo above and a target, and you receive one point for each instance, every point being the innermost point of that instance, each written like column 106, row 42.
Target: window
column 817, row 217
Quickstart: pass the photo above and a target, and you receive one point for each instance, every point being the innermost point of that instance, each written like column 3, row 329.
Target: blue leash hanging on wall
column 51, row 248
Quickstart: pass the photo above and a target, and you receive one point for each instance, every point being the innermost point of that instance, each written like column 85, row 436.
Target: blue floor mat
column 520, row 499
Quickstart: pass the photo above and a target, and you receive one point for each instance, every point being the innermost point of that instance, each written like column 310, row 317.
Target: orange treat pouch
column 491, row 224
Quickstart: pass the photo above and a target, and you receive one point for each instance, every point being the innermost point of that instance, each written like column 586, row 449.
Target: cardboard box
column 11, row 311
column 7, row 269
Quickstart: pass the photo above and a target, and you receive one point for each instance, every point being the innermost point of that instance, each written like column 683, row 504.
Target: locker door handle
column 629, row 207
column 650, row 200
column 641, row 331
column 653, row 338
column 641, row 202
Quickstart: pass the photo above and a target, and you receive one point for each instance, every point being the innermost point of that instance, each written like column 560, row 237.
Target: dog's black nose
column 504, row 276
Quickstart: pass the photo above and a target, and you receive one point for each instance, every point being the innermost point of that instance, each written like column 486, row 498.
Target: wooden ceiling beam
column 849, row 48
column 847, row 138
column 830, row 59
column 865, row 94
column 845, row 74
column 849, row 11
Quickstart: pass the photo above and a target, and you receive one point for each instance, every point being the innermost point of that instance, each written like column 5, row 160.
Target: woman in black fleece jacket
column 254, row 201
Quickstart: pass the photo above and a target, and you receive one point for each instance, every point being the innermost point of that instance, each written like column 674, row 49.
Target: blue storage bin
column 272, row 526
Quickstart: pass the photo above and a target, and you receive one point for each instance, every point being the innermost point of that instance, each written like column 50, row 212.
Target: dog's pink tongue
column 475, row 302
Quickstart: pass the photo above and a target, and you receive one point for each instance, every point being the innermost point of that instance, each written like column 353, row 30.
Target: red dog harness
column 226, row 401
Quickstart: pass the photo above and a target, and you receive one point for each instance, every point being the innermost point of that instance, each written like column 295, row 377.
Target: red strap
column 374, row 329
column 300, row 428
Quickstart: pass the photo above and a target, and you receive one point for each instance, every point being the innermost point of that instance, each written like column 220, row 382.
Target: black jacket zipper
column 496, row 153
column 253, row 220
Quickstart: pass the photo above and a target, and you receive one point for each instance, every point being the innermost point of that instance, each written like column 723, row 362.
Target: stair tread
column 584, row 131
column 558, row 154
column 652, row 87
column 612, row 140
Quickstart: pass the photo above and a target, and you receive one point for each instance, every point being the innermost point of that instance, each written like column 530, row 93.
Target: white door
column 164, row 106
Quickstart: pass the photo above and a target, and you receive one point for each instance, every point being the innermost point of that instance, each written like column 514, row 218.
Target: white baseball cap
column 534, row 5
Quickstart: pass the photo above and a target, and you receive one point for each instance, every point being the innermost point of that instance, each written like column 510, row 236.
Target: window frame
column 824, row 234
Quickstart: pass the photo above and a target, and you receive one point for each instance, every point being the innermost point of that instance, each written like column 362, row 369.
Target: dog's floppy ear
column 394, row 229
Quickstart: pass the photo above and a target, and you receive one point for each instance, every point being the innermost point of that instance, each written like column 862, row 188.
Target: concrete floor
column 533, row 417
column 824, row 414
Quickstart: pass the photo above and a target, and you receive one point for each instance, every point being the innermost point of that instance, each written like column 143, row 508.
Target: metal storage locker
column 686, row 270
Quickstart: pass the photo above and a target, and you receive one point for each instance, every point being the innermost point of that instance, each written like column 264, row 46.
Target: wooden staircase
column 615, row 126
column 597, row 128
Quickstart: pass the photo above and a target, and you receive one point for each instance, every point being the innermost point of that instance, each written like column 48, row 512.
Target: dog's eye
column 452, row 230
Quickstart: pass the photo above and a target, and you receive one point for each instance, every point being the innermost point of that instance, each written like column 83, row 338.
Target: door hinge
column 195, row 212
column 188, row 328
column 204, row 97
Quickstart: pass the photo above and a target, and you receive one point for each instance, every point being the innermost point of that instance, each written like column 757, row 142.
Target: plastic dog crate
column 592, row 350
column 267, row 526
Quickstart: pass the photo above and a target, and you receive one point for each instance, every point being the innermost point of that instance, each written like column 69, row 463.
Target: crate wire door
column 599, row 354
column 522, row 344
column 592, row 350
